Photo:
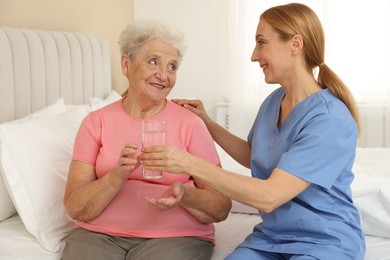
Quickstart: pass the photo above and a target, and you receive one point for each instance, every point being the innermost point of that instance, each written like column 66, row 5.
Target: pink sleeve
column 87, row 143
column 202, row 144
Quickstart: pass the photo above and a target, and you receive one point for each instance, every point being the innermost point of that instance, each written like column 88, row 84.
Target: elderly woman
column 119, row 214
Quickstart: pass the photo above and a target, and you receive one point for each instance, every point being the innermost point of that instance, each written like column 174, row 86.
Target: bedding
column 49, row 81
column 229, row 234
column 35, row 178
column 7, row 207
column 371, row 190
column 35, row 175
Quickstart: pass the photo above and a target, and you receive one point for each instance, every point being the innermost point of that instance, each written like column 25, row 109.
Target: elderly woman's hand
column 127, row 161
column 166, row 158
column 170, row 198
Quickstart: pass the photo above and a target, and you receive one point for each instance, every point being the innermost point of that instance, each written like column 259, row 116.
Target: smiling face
column 151, row 72
column 273, row 54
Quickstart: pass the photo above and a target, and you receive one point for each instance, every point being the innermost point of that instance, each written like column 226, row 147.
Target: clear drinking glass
column 153, row 133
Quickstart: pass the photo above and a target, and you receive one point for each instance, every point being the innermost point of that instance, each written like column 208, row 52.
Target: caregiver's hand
column 195, row 106
column 166, row 158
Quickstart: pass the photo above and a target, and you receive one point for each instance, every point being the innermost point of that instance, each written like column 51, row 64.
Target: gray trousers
column 82, row 244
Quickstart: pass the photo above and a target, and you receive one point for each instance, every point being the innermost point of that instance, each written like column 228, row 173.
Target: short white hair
column 135, row 35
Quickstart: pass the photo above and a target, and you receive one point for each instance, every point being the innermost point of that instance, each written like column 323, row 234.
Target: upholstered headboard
column 38, row 67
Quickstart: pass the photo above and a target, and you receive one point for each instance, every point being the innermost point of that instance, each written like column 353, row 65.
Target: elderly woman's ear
column 125, row 65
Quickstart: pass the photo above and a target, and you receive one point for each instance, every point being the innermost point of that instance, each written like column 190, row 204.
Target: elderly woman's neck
column 142, row 109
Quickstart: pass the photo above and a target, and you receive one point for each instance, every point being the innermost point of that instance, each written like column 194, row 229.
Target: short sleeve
column 87, row 143
column 321, row 151
column 202, row 144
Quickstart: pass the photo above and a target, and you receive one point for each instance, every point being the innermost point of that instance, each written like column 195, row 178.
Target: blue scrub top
column 316, row 142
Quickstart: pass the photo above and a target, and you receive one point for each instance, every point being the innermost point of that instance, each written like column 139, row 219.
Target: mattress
column 17, row 243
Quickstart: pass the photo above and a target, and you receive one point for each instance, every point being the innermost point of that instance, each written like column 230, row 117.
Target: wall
column 202, row 73
column 106, row 18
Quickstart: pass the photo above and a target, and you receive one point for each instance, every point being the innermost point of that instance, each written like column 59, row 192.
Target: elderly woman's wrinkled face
column 152, row 71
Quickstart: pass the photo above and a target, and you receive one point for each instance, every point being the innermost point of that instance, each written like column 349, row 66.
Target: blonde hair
column 294, row 18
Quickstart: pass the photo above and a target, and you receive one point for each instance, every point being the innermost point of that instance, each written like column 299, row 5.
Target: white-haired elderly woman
column 119, row 214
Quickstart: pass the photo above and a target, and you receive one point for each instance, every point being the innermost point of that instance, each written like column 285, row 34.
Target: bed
column 48, row 82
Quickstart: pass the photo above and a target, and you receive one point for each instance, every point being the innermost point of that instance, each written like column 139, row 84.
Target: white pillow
column 96, row 102
column 371, row 190
column 51, row 110
column 7, row 208
column 34, row 158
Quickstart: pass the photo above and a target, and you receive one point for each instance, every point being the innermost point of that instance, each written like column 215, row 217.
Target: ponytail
column 328, row 79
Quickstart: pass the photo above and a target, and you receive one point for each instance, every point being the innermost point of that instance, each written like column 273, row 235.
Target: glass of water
column 153, row 133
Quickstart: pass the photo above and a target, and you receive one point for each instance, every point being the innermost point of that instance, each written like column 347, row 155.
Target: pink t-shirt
column 102, row 135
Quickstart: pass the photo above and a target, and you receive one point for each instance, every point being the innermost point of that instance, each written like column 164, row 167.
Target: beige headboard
column 38, row 67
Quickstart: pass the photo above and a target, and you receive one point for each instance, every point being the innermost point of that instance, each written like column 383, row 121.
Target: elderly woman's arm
column 205, row 203
column 202, row 201
column 86, row 196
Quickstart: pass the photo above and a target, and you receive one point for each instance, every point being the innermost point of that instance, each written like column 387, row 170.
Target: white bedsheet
column 17, row 244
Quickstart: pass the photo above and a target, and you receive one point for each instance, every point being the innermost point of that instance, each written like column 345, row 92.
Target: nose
column 255, row 56
column 161, row 75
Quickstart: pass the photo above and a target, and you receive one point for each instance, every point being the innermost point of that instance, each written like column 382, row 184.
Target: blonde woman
column 300, row 149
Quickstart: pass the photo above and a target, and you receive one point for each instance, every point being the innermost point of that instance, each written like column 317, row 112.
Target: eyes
column 155, row 62
column 260, row 42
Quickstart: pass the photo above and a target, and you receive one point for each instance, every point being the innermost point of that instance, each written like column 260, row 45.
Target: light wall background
column 106, row 18
column 202, row 74
column 206, row 71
